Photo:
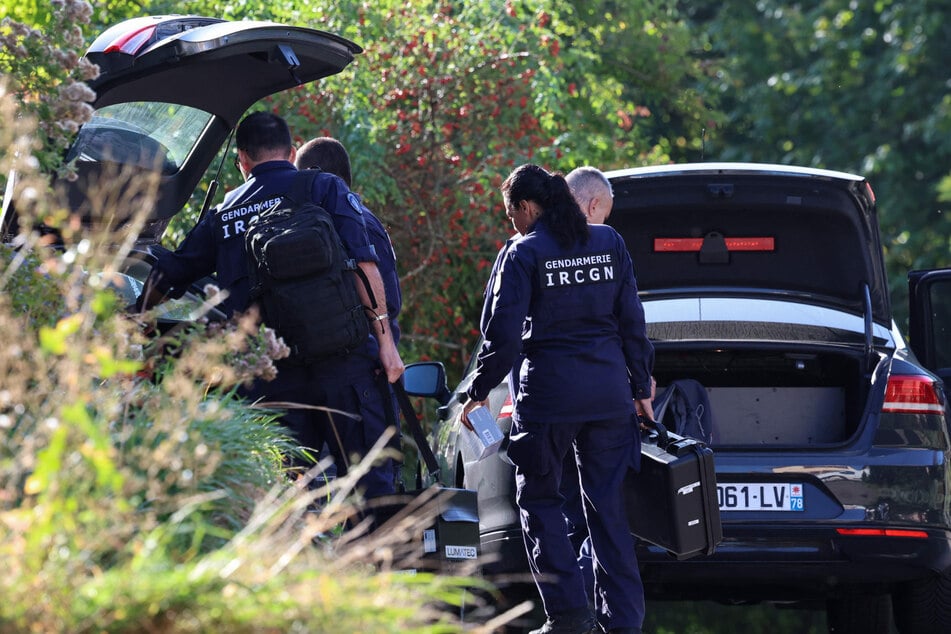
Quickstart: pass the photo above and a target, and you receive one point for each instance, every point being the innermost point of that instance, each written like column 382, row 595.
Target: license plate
column 756, row 496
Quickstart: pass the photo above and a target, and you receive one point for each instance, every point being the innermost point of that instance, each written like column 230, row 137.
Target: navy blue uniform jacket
column 216, row 244
column 575, row 318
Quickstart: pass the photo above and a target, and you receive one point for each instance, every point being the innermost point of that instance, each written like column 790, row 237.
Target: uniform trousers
column 604, row 453
column 350, row 385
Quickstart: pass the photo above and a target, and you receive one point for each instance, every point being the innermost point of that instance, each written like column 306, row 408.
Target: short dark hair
column 261, row 133
column 328, row 154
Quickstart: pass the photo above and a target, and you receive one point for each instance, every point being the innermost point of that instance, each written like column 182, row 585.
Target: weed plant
column 138, row 491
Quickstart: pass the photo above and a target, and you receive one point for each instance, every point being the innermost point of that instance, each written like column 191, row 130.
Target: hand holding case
column 672, row 501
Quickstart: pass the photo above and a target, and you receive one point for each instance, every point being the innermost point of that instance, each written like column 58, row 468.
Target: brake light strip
column 132, row 42
column 683, row 245
column 882, row 532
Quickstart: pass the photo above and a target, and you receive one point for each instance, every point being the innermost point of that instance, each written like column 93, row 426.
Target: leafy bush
column 41, row 50
column 31, row 289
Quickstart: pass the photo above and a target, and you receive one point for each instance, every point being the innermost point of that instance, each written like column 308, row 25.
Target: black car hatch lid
column 213, row 65
column 754, row 230
column 171, row 90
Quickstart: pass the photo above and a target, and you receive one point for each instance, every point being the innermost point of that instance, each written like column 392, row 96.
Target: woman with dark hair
column 563, row 311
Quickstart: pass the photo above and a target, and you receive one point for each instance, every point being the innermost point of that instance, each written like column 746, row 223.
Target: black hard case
column 440, row 525
column 672, row 501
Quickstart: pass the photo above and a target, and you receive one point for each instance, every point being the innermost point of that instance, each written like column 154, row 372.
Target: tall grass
column 138, row 491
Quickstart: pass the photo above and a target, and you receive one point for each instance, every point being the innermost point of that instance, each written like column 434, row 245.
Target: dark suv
column 766, row 284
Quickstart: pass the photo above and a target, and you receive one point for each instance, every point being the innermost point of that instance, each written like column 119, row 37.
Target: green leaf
column 54, row 340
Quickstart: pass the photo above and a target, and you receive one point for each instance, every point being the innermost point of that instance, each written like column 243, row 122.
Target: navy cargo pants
column 604, row 454
column 347, row 385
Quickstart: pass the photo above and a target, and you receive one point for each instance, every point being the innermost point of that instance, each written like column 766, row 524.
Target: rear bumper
column 795, row 563
column 765, row 562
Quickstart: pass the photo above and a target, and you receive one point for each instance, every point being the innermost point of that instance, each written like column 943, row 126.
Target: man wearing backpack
column 345, row 383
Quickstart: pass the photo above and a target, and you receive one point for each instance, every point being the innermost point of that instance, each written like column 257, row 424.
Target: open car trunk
column 766, row 286
column 775, row 396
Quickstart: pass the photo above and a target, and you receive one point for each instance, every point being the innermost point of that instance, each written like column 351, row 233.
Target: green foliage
column 704, row 617
column 635, row 72
column 448, row 98
column 138, row 492
column 944, row 189
column 142, row 502
column 29, row 288
column 850, row 87
column 41, row 47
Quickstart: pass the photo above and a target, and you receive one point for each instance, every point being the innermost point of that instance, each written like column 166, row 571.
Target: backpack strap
column 303, row 186
column 301, row 191
column 409, row 414
column 366, row 283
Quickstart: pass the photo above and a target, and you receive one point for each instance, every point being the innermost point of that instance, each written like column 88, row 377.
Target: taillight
column 682, row 245
column 507, row 407
column 882, row 532
column 912, row 394
column 131, row 42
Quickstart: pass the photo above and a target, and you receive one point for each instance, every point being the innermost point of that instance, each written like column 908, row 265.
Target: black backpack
column 685, row 408
column 302, row 279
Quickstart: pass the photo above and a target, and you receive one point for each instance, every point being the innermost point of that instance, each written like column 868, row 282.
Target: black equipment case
column 432, row 529
column 672, row 502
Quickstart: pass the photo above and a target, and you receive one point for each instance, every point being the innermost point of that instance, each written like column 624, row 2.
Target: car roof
column 203, row 71
column 754, row 230
column 731, row 168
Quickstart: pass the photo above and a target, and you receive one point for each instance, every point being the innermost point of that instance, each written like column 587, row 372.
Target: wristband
column 380, row 317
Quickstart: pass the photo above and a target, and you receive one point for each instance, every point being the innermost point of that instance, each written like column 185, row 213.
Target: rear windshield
column 149, row 135
column 725, row 318
column 752, row 331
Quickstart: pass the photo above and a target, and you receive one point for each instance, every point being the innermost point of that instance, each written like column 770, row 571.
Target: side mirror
column 427, row 378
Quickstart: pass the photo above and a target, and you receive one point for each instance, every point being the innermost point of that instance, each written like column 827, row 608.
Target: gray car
column 766, row 285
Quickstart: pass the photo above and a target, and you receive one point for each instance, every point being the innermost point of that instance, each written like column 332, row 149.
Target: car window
column 149, row 135
column 738, row 318
column 754, row 331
